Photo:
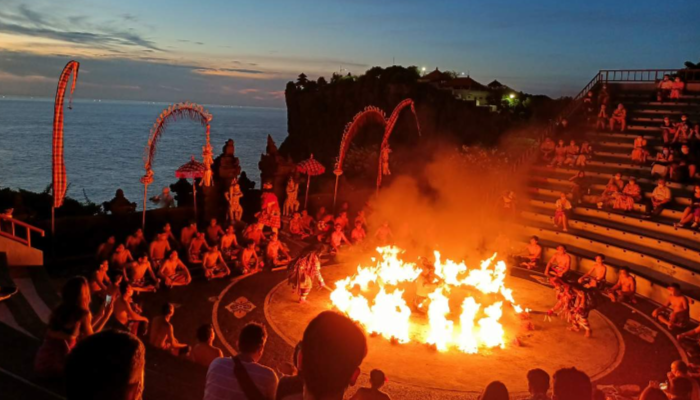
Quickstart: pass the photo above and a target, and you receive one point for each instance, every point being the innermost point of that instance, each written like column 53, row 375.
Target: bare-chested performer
column 360, row 217
column 126, row 313
column 204, row 352
column 187, row 233
column 214, row 264
column 676, row 312
column 358, row 234
column 121, row 258
column 342, row 220
column 249, row 262
column 100, row 284
column 276, row 253
column 532, row 255
column 383, row 235
column 296, row 226
column 625, row 288
column 138, row 272
column 174, row 272
column 229, row 244
column 307, row 222
column 197, row 247
column 254, row 232
column 158, row 249
column 136, row 243
column 168, row 230
column 233, row 197
column 162, row 334
column 558, row 267
column 105, row 250
column 595, row 277
column 584, row 303
column 305, row 271
column 214, row 232
column 338, row 238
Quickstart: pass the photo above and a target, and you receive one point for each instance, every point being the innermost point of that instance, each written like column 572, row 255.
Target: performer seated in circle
column 105, row 250
column 249, row 261
column 358, row 235
column 136, row 243
column 100, row 284
column 214, row 264
column 306, row 271
column 127, row 314
column 676, row 312
column 254, row 233
column 174, row 272
column 214, row 232
column 276, row 253
column 229, row 245
column 584, row 303
column 625, row 288
column 338, row 238
column 360, row 217
column 532, row 254
column 383, row 235
column 307, row 222
column 136, row 275
column 558, row 267
column 187, row 233
column 162, row 334
column 595, row 277
column 323, row 228
column 168, row 230
column 565, row 301
column 197, row 247
column 158, row 249
column 204, row 352
column 297, row 228
column 342, row 220
column 120, row 259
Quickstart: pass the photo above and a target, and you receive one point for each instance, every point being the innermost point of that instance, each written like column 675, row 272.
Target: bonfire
column 378, row 297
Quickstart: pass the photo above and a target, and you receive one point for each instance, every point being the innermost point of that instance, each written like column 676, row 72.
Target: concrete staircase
column 656, row 252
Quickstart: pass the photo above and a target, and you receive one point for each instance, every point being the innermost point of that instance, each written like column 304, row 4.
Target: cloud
column 277, row 94
column 9, row 77
column 234, row 73
column 248, row 91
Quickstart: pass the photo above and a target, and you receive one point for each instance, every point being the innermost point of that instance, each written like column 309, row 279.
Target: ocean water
column 105, row 144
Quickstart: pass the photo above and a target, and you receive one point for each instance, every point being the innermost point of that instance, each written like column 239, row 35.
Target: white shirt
column 223, row 385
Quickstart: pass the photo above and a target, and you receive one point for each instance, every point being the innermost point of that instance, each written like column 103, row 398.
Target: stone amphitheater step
column 674, row 114
column 683, row 192
column 658, row 119
column 621, row 137
column 650, row 283
column 646, row 95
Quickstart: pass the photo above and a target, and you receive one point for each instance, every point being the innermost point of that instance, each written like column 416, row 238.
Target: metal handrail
column 648, row 75
column 28, row 229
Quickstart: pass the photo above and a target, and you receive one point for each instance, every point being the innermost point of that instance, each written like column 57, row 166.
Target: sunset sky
column 244, row 52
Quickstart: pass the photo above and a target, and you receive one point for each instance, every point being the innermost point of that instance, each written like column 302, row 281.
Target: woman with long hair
column 69, row 322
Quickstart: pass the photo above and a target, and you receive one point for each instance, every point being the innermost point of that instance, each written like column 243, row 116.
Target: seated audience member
column 589, row 107
column 187, row 233
column 668, row 130
column 562, row 212
column 692, row 212
column 680, row 388
column 652, row 393
column 138, row 274
column 337, row 239
column 119, row 205
column 214, row 264
column 162, row 333
column 249, row 261
column 547, row 149
column 677, row 88
column 136, row 243
column 106, row 366
column 332, row 350
column 532, row 254
column 99, row 281
column 660, row 167
column 571, row 384
column 604, row 96
column 127, row 314
column 164, row 199
column 358, row 234
column 120, row 259
column 377, row 379
column 214, row 232
column 204, row 352
column 572, row 152
column 659, row 199
column 584, row 155
column 69, row 322
column 663, row 88
column 676, row 312
column 580, row 185
column 595, row 277
column 684, row 165
column 296, row 227
column 537, row 384
column 198, row 246
column 254, row 233
column 602, row 121
column 242, row 377
column 158, row 250
column 559, row 154
column 174, row 272
column 639, row 151
column 291, row 385
column 495, row 390
column 681, row 135
column 612, row 189
column 229, row 244
column 619, row 117
column 630, row 195
column 105, row 250
column 559, row 266
column 383, row 235
column 276, row 253
column 625, row 288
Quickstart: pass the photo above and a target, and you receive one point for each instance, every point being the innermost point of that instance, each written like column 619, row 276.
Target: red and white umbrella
column 310, row 167
column 191, row 170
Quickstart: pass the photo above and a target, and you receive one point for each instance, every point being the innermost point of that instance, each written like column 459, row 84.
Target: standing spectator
column 538, row 384
column 106, row 366
column 241, row 377
column 204, row 352
column 332, row 349
column 495, row 390
column 377, row 379
column 603, row 96
column 619, row 117
column 602, row 121
column 659, row 199
column 571, row 384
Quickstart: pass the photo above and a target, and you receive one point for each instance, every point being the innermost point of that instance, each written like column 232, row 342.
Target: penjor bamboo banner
column 59, row 167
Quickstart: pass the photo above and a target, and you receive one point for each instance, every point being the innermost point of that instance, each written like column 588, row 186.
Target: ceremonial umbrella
column 192, row 170
column 310, row 167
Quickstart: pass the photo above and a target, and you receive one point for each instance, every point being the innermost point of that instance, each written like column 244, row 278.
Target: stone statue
column 208, row 156
column 227, row 165
column 233, row 197
column 384, row 157
column 291, row 204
